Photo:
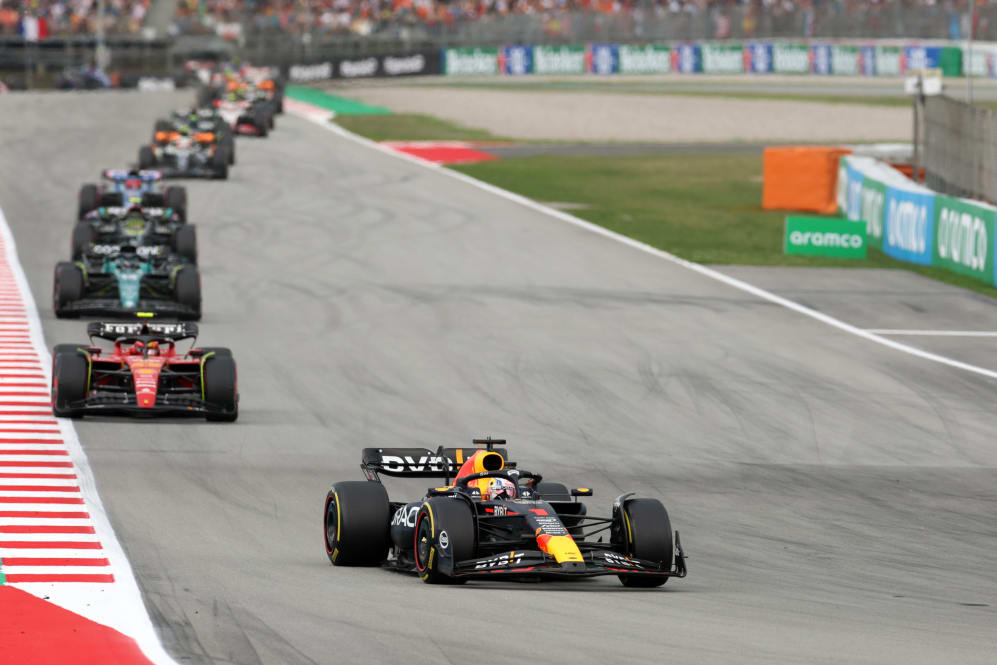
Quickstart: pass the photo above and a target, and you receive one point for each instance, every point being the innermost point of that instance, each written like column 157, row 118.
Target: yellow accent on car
column 145, row 315
column 564, row 549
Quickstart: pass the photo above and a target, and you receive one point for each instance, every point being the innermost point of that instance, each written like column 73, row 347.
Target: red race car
column 143, row 374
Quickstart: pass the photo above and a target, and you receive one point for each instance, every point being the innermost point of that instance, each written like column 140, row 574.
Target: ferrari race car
column 128, row 188
column 143, row 374
column 134, row 226
column 493, row 520
column 124, row 278
column 183, row 153
column 200, row 120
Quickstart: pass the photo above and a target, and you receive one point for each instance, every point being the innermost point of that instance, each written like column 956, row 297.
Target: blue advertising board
column 820, row 59
column 603, row 59
column 910, row 221
column 516, row 60
column 687, row 59
column 758, row 58
column 867, row 60
column 922, row 57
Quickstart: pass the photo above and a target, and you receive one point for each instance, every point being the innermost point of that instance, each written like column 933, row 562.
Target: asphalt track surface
column 836, row 498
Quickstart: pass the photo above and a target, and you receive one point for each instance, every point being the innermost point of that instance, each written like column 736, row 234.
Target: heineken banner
column 470, row 61
column 887, row 61
column 964, row 234
column 722, row 58
column 559, row 59
column 845, row 60
column 824, row 236
column 648, row 59
column 790, row 59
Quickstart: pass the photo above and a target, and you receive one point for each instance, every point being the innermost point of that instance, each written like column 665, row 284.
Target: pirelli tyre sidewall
column 70, row 376
column 647, row 534
column 444, row 535
column 355, row 522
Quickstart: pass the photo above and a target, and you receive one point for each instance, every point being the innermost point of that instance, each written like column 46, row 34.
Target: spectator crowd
column 42, row 18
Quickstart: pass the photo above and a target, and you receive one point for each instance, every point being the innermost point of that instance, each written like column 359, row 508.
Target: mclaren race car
column 493, row 520
column 129, row 188
column 200, row 120
column 185, row 153
column 143, row 374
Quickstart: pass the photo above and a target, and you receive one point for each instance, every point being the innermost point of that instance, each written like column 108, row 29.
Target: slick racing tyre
column 146, row 158
column 261, row 122
column 153, row 200
column 187, row 290
column 70, row 375
column 218, row 351
column 221, row 386
column 175, row 198
column 89, row 199
column 442, row 525
column 67, row 288
column 82, row 237
column 229, row 144
column 219, row 162
column 647, row 534
column 185, row 242
column 356, row 522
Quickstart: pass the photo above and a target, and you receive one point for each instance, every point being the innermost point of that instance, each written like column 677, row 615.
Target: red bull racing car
column 143, row 374
column 492, row 519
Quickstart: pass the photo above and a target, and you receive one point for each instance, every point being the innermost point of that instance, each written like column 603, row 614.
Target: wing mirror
column 581, row 491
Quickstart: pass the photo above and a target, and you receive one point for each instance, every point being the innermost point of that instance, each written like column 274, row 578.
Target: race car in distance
column 494, row 520
column 143, row 374
column 200, row 120
column 128, row 188
column 184, row 153
column 246, row 109
column 135, row 226
column 123, row 279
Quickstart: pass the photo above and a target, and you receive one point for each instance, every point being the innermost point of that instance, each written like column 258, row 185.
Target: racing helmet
column 138, row 348
column 499, row 488
column 153, row 348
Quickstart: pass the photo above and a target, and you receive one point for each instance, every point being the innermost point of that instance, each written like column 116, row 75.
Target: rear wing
column 121, row 174
column 419, row 462
column 112, row 331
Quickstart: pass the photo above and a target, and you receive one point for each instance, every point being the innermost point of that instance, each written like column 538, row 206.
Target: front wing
column 109, row 403
column 596, row 562
column 113, row 307
column 189, row 172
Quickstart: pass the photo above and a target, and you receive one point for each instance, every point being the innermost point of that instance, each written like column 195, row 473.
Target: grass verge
column 412, row 127
column 703, row 207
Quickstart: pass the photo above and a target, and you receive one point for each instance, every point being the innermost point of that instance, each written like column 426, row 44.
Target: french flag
column 32, row 28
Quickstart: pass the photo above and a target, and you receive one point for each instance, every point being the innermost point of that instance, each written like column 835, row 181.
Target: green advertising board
column 650, row 59
column 887, row 61
column 950, row 61
column 722, row 58
column 964, row 237
column 559, row 59
column 790, row 58
column 873, row 211
column 824, row 236
column 470, row 61
column 845, row 60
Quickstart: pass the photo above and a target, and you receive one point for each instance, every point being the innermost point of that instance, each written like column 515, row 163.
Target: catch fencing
column 960, row 148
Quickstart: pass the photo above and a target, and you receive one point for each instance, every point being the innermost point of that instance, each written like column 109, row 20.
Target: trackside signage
column 964, row 234
column 825, row 236
column 648, row 59
column 908, row 233
column 470, row 61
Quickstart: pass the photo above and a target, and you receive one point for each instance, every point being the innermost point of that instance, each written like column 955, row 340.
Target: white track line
column 934, row 333
column 695, row 267
column 118, row 604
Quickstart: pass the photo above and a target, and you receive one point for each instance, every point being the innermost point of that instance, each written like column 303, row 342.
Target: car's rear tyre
column 187, row 290
column 175, row 198
column 146, row 158
column 261, row 122
column 83, row 235
column 221, row 387
column 356, row 523
column 219, row 351
column 89, row 199
column 70, row 374
column 442, row 523
column 185, row 242
column 647, row 534
column 219, row 162
column 67, row 288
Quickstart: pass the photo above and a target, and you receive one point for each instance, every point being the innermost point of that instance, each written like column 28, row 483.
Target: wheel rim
column 330, row 525
column 423, row 542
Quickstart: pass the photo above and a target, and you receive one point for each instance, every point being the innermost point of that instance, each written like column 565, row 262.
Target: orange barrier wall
column 801, row 178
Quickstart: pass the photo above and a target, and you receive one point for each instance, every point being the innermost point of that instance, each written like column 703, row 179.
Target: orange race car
column 182, row 152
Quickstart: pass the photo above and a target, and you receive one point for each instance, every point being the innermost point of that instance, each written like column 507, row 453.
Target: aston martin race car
column 129, row 188
column 125, row 279
column 185, row 153
column 493, row 520
column 134, row 226
column 143, row 374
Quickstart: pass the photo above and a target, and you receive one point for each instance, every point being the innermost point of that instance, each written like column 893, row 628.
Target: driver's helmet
column 133, row 225
column 138, row 348
column 499, row 488
column 183, row 130
column 153, row 348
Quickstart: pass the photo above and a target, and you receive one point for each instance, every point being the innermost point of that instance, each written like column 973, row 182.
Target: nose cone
column 146, row 398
